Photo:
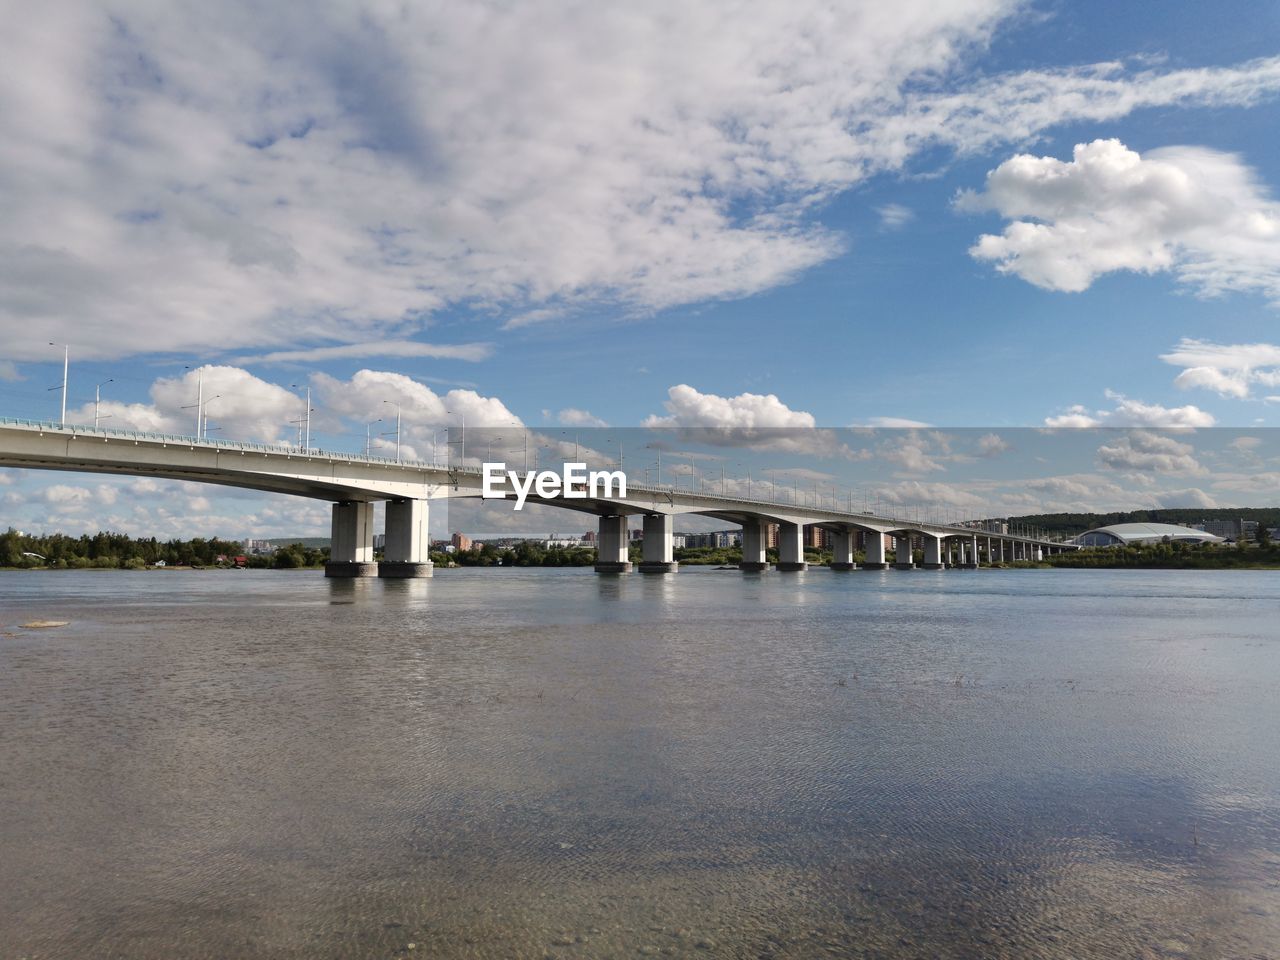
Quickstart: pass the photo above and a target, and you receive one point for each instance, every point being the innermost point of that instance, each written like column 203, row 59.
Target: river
column 533, row 763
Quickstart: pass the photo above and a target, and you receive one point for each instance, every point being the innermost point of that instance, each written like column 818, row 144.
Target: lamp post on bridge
column 304, row 422
column 66, row 365
column 200, row 406
column 368, row 438
column 462, row 446
column 396, row 404
column 97, row 399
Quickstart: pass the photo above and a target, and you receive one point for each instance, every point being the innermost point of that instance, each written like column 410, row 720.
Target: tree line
column 117, row 551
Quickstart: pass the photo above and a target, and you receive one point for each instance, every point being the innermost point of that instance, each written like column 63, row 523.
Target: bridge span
column 353, row 484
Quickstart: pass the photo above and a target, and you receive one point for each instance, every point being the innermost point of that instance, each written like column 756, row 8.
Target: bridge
column 354, row 483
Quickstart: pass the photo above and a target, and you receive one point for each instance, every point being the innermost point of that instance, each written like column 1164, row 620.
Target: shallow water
column 512, row 763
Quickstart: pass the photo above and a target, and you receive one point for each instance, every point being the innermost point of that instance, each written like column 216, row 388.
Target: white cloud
column 992, row 445
column 9, row 372
column 893, row 423
column 1144, row 450
column 894, row 216
column 752, row 420
column 573, row 417
column 372, row 394
column 237, row 176
column 910, row 454
column 1190, row 497
column 1132, row 413
column 1196, row 212
column 237, row 406
column 1227, row 369
column 380, row 348
column 66, row 497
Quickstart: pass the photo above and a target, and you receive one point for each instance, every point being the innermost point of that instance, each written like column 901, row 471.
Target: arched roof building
column 1123, row 534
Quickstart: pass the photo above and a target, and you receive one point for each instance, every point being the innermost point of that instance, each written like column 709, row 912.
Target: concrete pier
column 933, row 554
column 842, row 550
column 406, row 553
column 755, row 537
column 351, row 541
column 791, row 547
column 657, row 551
column 971, row 554
column 902, row 552
column 874, row 552
column 612, row 545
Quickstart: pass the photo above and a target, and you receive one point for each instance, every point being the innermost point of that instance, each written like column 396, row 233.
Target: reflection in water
column 508, row 763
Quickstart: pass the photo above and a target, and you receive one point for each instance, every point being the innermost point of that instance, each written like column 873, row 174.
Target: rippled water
column 506, row 763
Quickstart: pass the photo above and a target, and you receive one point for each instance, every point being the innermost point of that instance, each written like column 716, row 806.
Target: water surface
column 512, row 763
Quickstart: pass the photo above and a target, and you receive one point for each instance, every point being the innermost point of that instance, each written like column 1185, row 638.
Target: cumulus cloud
column 1230, row 370
column 236, row 404
column 1190, row 497
column 573, row 417
column 754, row 420
column 245, row 176
column 371, row 395
column 1132, row 413
column 1198, row 213
column 992, row 445
column 1143, row 450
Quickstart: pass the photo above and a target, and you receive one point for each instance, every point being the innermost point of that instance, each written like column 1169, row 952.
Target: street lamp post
column 199, row 404
column 368, row 438
column 97, row 399
column 66, row 363
column 304, row 422
column 396, row 404
column 462, row 455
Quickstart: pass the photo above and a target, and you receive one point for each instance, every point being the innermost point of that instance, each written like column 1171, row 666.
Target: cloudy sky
column 962, row 213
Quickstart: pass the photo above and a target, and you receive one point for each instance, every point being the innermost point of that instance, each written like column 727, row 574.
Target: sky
column 928, row 215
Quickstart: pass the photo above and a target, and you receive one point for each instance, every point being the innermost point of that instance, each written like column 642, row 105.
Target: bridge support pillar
column 971, row 551
column 405, row 555
column 842, row 550
column 1039, row 554
column 351, row 541
column 902, row 553
column 658, row 553
column 791, row 547
column 933, row 553
column 755, row 538
column 611, row 546
column 875, row 551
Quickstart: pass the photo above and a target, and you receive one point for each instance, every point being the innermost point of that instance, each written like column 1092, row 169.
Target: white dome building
column 1123, row 534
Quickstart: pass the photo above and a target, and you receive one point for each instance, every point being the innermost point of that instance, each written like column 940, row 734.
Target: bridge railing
column 76, row 430
column 655, row 490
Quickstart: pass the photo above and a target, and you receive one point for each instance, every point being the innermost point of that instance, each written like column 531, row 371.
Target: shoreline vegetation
column 113, row 551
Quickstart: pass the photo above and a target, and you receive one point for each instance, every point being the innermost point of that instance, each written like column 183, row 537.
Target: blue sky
column 975, row 213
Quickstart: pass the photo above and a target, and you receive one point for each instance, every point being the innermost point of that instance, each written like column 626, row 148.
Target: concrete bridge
column 353, row 484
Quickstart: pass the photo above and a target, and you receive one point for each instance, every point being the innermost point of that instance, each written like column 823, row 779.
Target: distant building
column 1124, row 534
column 461, row 542
column 589, row 536
column 817, row 537
column 259, row 546
column 379, row 541
column 1231, row 529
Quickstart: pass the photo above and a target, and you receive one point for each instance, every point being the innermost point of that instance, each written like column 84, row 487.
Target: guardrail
column 47, row 426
